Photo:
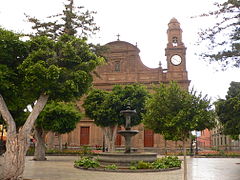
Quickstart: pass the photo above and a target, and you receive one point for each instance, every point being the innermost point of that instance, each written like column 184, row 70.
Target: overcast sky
column 138, row 21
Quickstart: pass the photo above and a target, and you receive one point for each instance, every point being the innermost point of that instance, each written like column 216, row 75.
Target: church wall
column 124, row 66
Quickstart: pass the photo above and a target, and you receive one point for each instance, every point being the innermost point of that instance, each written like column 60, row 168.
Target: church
column 124, row 66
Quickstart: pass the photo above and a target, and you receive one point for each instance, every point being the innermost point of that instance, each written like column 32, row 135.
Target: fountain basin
column 129, row 133
column 125, row 159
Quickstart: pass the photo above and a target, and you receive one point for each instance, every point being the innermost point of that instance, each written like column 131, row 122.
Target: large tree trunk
column 51, row 141
column 40, row 149
column 176, row 147
column 191, row 146
column 14, row 157
column 60, row 142
column 185, row 160
column 165, row 147
column 18, row 143
column 110, row 136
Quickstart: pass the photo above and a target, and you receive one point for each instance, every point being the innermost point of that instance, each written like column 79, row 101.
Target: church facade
column 123, row 67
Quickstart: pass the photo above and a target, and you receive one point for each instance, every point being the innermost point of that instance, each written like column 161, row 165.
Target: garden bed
column 218, row 154
column 168, row 163
column 127, row 170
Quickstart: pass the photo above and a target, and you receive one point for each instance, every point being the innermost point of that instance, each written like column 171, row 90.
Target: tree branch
column 41, row 102
column 11, row 126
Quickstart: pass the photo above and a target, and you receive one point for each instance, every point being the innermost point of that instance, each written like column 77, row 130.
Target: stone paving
column 61, row 168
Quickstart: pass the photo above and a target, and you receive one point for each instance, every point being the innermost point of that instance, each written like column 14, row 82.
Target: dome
column 174, row 24
column 173, row 20
column 122, row 46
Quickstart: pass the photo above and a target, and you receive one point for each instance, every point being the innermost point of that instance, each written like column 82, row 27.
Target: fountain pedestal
column 128, row 134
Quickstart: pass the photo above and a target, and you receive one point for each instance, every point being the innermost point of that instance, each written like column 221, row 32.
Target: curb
column 125, row 170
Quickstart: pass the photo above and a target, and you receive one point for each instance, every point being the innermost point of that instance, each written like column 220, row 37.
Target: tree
column 58, row 117
column 174, row 113
column 104, row 108
column 70, row 21
column 228, row 111
column 223, row 50
column 33, row 72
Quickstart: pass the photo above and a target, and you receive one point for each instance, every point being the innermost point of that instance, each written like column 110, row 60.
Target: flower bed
column 82, row 151
column 161, row 164
column 214, row 153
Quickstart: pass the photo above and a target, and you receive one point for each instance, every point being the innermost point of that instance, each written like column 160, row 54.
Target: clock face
column 176, row 59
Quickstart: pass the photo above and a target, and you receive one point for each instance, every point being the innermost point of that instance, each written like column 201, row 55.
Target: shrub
column 143, row 165
column 87, row 162
column 159, row 164
column 112, row 167
column 133, row 167
column 167, row 162
column 85, row 150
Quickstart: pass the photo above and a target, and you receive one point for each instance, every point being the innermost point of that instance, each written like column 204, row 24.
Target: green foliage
column 174, row 112
column 224, row 50
column 80, row 152
column 160, row 163
column 143, row 165
column 61, row 69
column 133, row 167
column 85, row 150
column 228, row 111
column 167, row 162
column 233, row 90
column 104, row 107
column 13, row 51
column 59, row 117
column 111, row 167
column 135, row 94
column 73, row 20
column 87, row 162
column 30, row 151
column 94, row 108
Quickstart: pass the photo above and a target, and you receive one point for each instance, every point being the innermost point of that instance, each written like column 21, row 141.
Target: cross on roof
column 118, row 35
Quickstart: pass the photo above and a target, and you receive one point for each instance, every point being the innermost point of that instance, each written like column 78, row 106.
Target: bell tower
column 175, row 53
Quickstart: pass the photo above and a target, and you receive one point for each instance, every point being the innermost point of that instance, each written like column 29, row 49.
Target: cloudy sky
column 142, row 22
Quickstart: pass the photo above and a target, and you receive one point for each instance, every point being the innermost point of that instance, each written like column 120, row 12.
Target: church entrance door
column 148, row 138
column 84, row 135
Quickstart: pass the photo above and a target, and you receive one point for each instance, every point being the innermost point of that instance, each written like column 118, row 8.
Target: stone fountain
column 123, row 159
column 128, row 133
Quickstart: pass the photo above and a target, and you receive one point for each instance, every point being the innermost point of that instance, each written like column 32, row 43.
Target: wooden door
column 84, row 135
column 148, row 138
column 118, row 140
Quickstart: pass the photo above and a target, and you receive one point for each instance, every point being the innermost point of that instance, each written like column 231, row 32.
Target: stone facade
column 124, row 66
column 220, row 141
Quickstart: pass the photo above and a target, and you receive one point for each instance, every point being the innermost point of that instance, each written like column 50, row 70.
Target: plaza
column 61, row 168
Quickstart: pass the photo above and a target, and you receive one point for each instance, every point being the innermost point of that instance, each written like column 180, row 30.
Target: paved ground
column 61, row 168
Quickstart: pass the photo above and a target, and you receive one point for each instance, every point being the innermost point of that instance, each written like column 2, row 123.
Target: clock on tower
column 176, row 60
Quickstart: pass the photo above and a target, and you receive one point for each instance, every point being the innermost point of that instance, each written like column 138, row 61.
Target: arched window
column 117, row 66
column 175, row 41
